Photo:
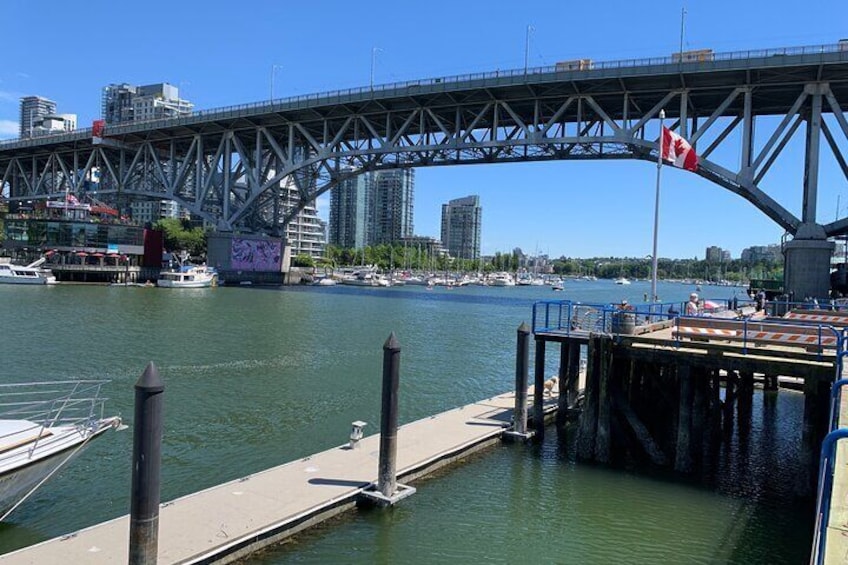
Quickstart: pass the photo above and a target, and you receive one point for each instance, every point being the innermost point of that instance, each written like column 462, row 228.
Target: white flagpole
column 657, row 212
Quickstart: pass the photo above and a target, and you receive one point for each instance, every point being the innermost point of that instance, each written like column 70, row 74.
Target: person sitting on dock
column 625, row 305
column 692, row 307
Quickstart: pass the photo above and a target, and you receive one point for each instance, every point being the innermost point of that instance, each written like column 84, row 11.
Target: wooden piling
column 539, row 390
column 573, row 384
column 602, row 440
column 522, row 361
column 588, row 418
column 683, row 454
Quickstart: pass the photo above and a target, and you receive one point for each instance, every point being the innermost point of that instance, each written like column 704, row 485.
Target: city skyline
column 591, row 208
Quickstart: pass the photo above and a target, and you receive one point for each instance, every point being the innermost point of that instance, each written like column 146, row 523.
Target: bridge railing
column 293, row 102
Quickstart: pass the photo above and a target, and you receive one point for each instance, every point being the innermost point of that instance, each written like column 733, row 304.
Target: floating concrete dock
column 836, row 548
column 232, row 520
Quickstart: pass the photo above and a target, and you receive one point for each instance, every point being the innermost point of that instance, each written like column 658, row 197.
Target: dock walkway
column 234, row 519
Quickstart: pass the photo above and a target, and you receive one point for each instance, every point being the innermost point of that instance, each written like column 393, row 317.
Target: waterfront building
column 305, row 232
column 151, row 211
column 38, row 117
column 123, row 103
column 82, row 241
column 757, row 253
column 461, row 222
column 430, row 246
column 713, row 254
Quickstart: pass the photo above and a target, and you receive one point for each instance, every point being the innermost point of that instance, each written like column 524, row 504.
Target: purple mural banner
column 256, row 255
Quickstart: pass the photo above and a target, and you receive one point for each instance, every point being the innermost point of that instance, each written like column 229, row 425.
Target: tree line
column 398, row 256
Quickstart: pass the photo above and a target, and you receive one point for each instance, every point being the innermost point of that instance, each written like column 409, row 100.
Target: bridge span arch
column 230, row 165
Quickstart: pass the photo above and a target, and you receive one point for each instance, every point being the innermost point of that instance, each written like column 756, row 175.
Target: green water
column 256, row 377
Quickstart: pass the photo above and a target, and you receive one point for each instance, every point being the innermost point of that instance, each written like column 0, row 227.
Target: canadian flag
column 678, row 151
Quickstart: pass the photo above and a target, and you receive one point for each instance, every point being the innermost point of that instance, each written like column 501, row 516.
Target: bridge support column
column 806, row 263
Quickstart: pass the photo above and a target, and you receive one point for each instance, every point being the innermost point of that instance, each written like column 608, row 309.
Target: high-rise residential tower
column 394, row 191
column 372, row 208
column 38, row 117
column 351, row 210
column 461, row 221
column 126, row 103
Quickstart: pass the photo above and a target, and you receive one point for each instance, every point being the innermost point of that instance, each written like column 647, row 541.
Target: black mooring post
column 522, row 366
column 387, row 481
column 147, row 459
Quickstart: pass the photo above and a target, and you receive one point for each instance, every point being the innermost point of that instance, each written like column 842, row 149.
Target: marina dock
column 232, row 520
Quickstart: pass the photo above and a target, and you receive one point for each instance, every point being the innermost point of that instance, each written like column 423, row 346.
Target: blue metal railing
column 567, row 316
column 827, row 461
column 825, row 492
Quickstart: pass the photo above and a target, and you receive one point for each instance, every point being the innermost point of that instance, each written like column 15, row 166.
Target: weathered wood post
column 683, row 452
column 603, row 437
column 731, row 390
column 539, row 389
column 147, row 459
column 588, row 422
column 562, row 399
column 573, row 381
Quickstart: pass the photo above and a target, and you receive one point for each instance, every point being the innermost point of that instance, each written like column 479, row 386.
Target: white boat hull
column 23, row 468
column 27, row 280
column 183, row 284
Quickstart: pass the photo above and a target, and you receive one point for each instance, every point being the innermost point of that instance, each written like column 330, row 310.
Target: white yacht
column 188, row 276
column 502, row 279
column 31, row 274
column 43, row 425
column 622, row 280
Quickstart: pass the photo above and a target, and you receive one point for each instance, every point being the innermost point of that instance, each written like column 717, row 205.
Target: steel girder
column 231, row 173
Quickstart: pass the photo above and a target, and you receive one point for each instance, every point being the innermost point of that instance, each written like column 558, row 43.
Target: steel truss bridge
column 230, row 165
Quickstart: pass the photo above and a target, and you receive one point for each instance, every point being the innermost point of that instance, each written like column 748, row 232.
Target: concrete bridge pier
column 806, row 263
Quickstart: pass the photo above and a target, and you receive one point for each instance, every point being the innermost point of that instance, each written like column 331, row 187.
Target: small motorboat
column 43, row 426
column 30, row 274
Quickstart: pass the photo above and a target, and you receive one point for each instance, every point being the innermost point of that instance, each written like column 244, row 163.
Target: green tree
column 303, row 260
column 179, row 235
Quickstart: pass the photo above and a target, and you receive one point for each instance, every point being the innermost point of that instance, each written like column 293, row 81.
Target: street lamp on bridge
column 374, row 51
column 273, row 70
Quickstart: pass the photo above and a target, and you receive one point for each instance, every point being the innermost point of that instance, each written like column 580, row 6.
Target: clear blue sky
column 221, row 54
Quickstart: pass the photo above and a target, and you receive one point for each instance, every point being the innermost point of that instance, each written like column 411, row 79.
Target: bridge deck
column 247, row 514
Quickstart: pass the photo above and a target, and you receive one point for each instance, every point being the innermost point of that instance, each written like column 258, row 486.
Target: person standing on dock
column 692, row 308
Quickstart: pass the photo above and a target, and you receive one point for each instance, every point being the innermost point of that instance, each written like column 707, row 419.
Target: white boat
column 43, row 425
column 325, row 281
column 502, row 279
column 31, row 274
column 188, row 276
column 622, row 280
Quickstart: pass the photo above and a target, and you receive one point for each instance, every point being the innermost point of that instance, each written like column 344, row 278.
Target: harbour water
column 256, row 377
